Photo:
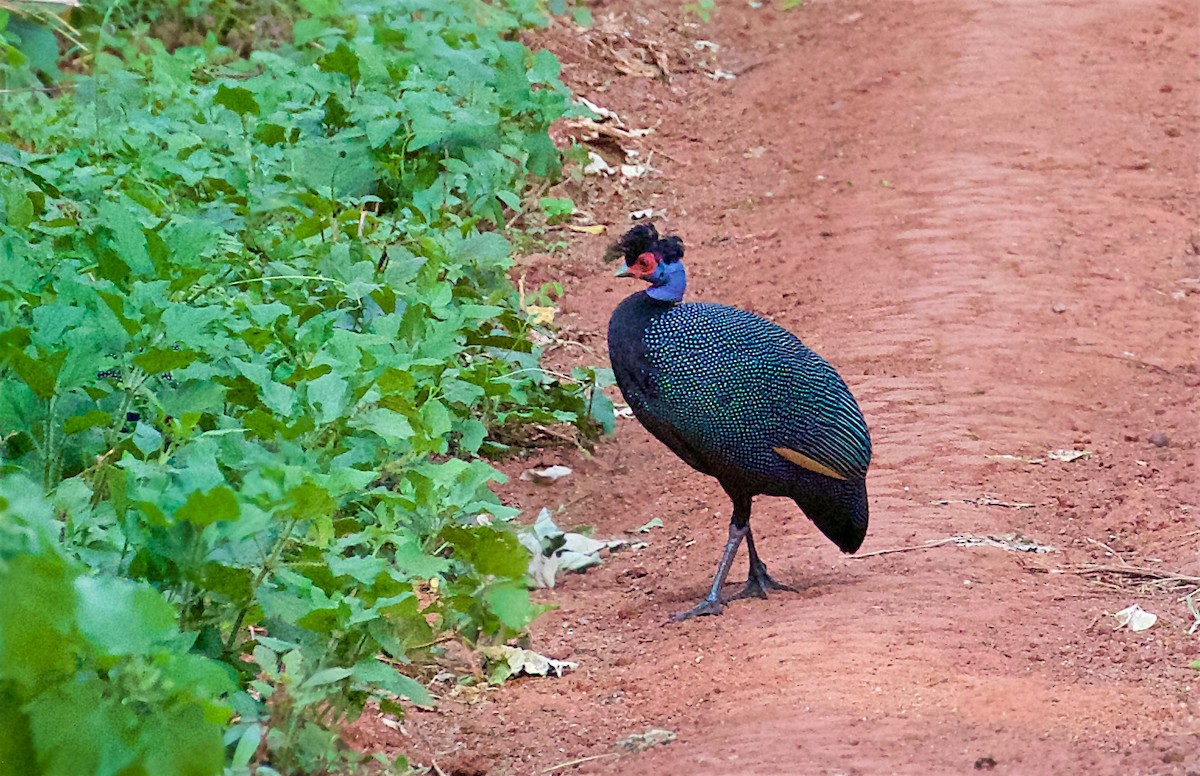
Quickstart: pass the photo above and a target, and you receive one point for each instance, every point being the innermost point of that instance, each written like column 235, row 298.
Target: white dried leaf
column 597, row 166
column 546, row 476
column 640, row 742
column 1136, row 618
column 654, row 522
column 603, row 113
column 526, row 661
column 1067, row 455
column 636, row 170
column 572, row 551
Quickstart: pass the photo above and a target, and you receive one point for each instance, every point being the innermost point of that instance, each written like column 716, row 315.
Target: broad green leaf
column 181, row 741
column 75, row 729
column 436, row 417
column 147, row 439
column 120, row 617
column 205, row 508
column 238, row 99
column 362, row 569
column 340, row 60
column 511, row 604
column 328, row 396
column 158, row 360
column 414, row 562
column 41, row 375
column 490, row 550
column 83, row 422
column 374, row 673
column 37, row 615
column 327, row 676
column 389, row 425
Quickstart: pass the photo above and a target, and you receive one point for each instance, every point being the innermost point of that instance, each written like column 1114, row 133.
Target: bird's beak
column 624, row 272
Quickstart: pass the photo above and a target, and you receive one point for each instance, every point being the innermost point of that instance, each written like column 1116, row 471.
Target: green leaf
column 147, row 439
column 205, row 508
column 37, row 616
column 247, row 746
column 120, row 617
column 389, row 425
column 490, row 550
column 374, row 673
column 413, row 562
column 343, row 167
column 362, row 569
column 75, row 728
column 181, row 741
column 437, row 418
column 17, row 752
column 91, row 419
column 159, row 360
column 309, row 501
column 238, row 99
column 328, row 396
column 340, row 60
column 511, row 604
column 327, row 676
column 38, row 43
column 41, row 375
column 546, row 68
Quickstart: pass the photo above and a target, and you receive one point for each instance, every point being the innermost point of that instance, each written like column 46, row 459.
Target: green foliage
column 702, row 9
column 256, row 332
column 95, row 674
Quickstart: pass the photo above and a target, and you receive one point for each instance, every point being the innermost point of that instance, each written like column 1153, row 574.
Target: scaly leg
column 758, row 581
column 712, row 602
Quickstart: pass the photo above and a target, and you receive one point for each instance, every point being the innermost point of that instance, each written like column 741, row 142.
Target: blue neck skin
column 668, row 283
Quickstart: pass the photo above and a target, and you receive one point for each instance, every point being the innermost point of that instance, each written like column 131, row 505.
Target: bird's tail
column 841, row 514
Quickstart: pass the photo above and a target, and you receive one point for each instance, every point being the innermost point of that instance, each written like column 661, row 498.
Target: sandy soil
column 985, row 214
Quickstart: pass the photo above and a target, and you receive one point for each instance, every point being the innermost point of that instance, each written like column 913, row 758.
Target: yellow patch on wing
column 804, row 462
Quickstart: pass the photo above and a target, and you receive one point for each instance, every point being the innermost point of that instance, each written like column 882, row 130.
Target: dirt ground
column 984, row 213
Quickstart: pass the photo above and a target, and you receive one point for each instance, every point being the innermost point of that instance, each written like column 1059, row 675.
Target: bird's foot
column 709, row 606
column 758, row 584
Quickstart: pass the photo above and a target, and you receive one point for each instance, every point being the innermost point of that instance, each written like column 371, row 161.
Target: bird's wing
column 829, row 436
column 753, row 386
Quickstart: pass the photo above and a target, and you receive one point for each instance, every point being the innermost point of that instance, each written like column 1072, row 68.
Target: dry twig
column 983, row 501
column 892, row 550
column 569, row 763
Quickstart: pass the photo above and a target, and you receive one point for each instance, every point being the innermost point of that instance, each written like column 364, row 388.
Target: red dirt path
column 985, row 214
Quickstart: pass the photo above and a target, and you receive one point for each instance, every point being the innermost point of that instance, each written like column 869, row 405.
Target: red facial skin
column 643, row 267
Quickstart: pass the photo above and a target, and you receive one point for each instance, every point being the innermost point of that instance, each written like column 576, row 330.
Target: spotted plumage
column 741, row 399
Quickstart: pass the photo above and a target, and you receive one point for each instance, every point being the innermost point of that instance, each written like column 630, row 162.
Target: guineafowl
column 740, row 399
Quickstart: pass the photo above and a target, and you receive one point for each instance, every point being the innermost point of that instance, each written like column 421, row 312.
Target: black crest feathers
column 642, row 238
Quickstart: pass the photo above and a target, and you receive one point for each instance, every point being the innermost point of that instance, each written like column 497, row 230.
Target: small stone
column 985, row 763
column 1159, row 439
column 1059, row 308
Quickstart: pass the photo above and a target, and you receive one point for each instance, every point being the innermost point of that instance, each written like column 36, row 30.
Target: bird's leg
column 758, row 582
column 712, row 602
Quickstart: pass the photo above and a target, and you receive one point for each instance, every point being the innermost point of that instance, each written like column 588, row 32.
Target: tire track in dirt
column 1028, row 164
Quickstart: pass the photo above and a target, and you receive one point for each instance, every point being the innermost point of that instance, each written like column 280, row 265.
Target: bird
column 740, row 399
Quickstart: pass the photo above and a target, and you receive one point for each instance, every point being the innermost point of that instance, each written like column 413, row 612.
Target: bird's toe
column 705, row 607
